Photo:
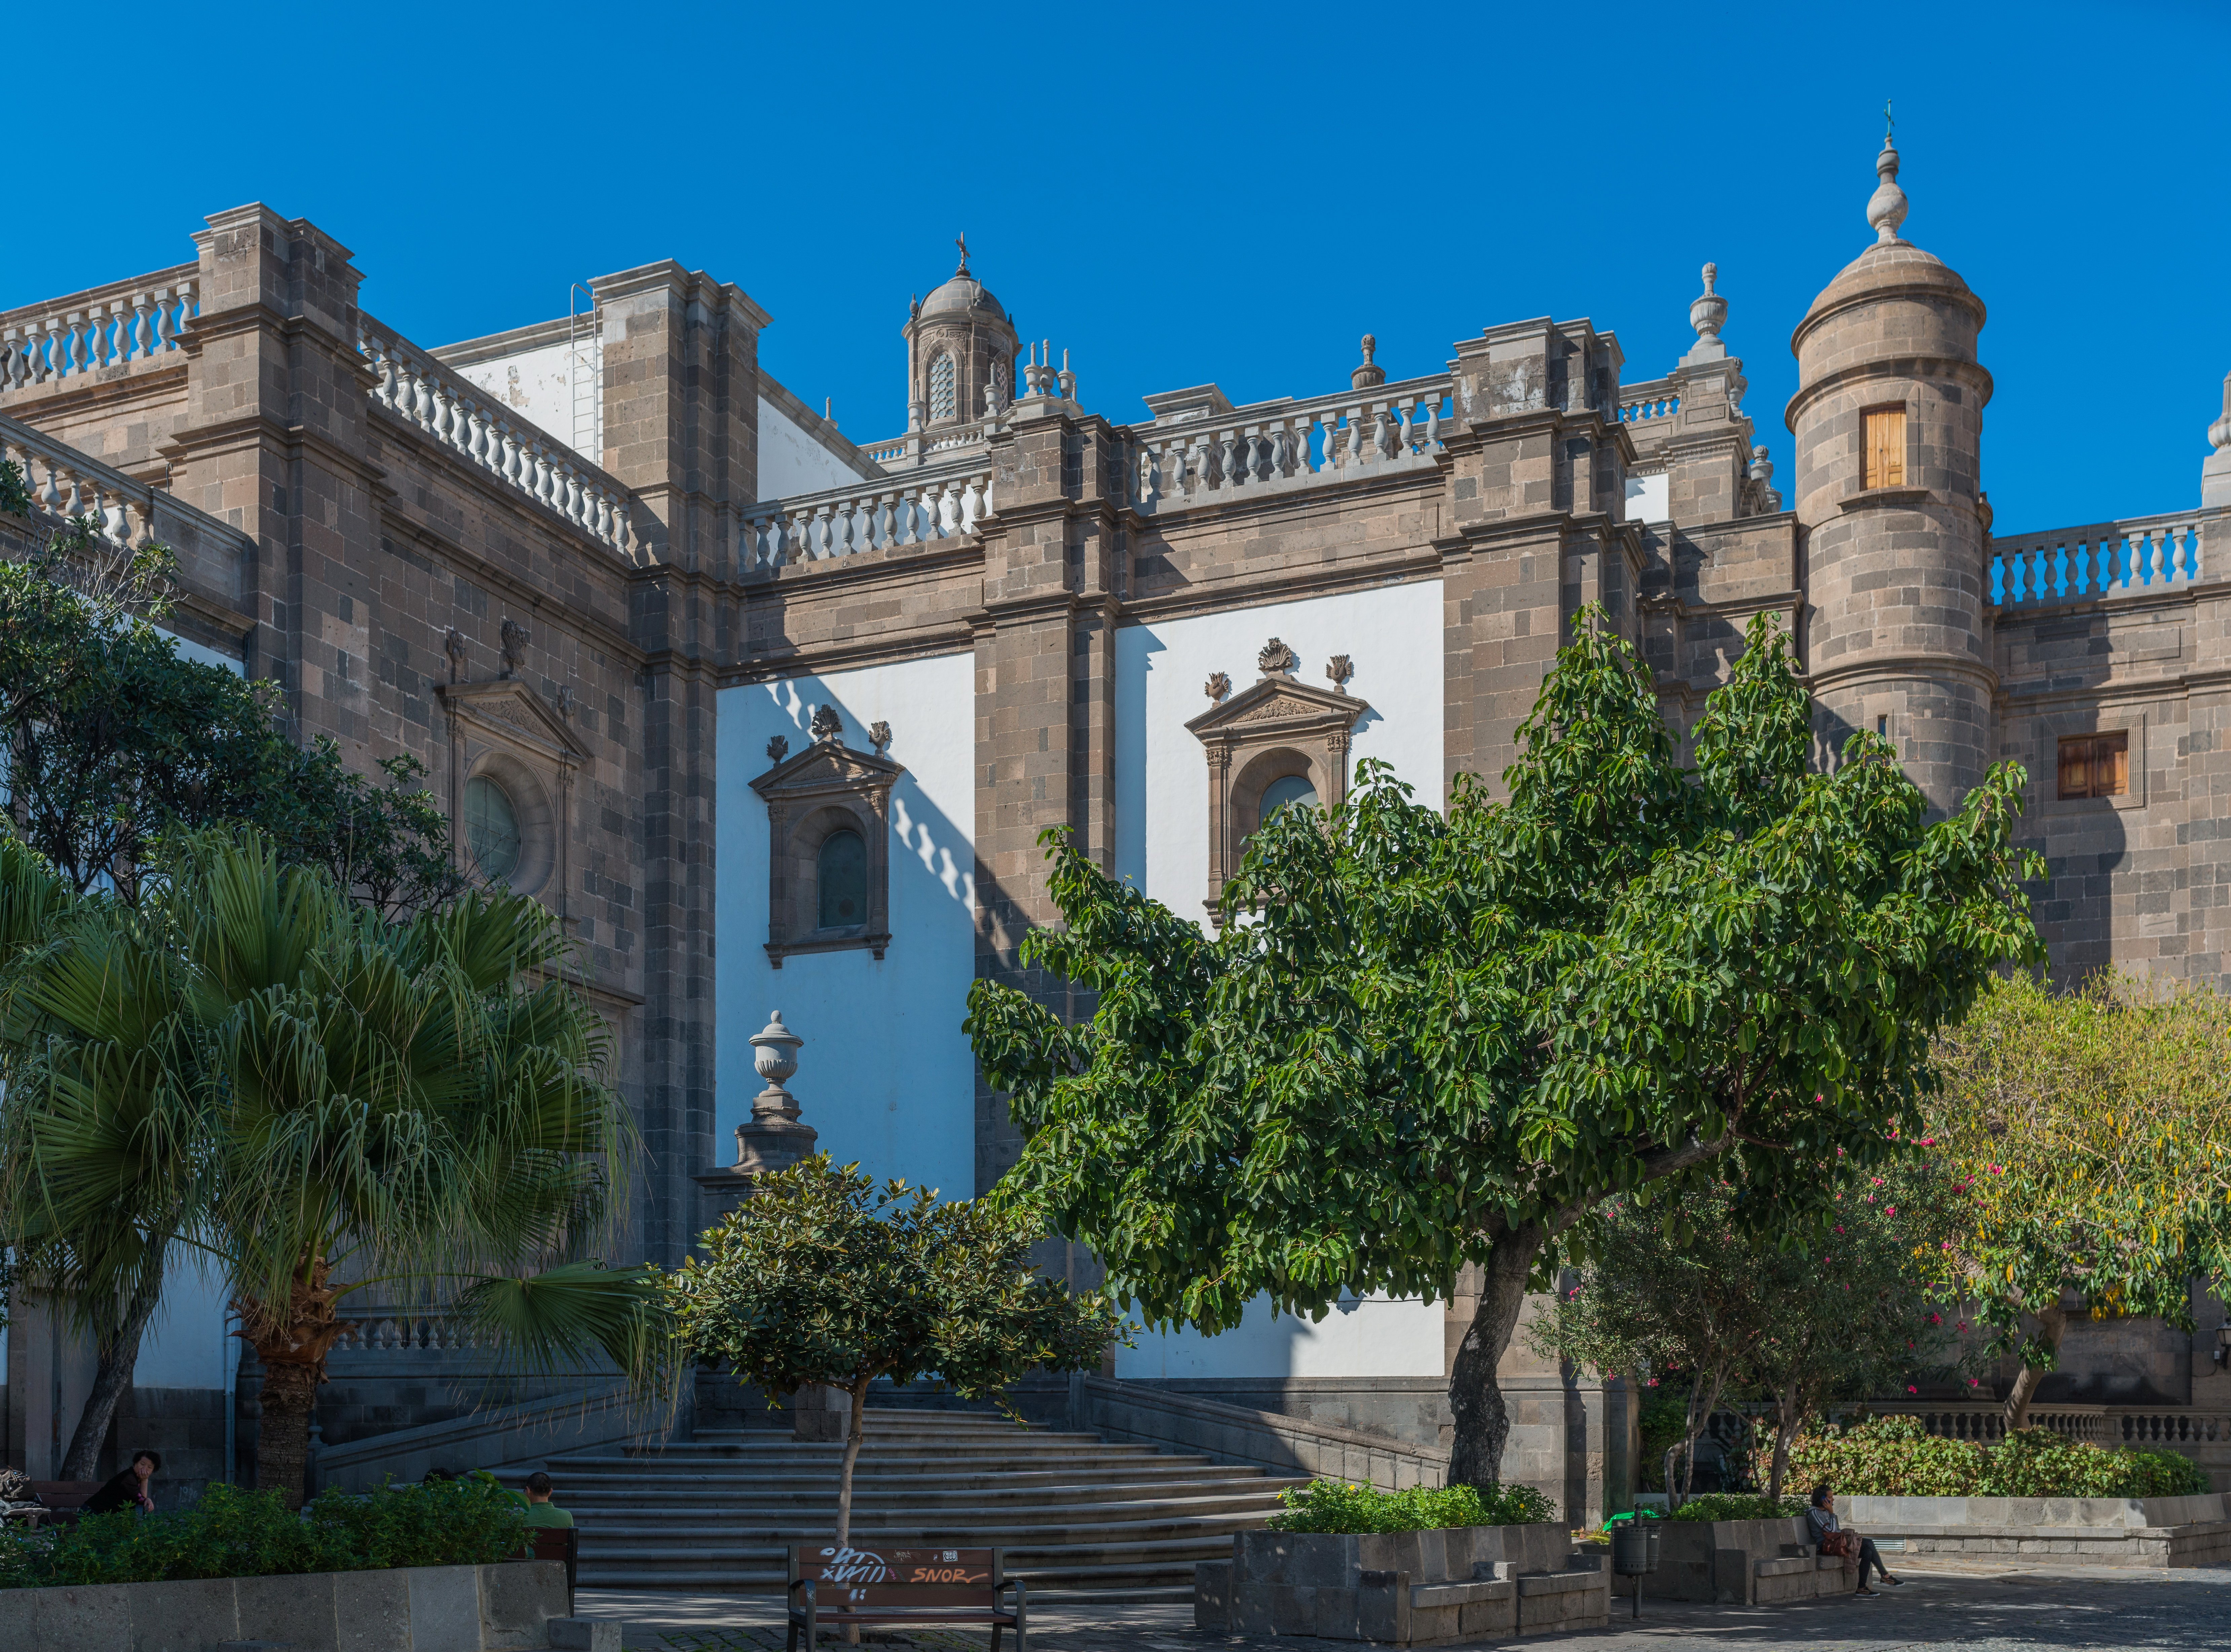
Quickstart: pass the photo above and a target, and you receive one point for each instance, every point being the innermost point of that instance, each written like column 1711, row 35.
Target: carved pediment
column 827, row 766
column 1275, row 704
column 509, row 708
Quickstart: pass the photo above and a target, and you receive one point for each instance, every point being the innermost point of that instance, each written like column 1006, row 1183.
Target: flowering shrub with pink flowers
column 1894, row 1456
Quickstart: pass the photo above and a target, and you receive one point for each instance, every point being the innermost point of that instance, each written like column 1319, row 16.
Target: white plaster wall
column 185, row 1345
column 1394, row 636
column 1648, row 499
column 885, row 1074
column 792, row 461
column 535, row 385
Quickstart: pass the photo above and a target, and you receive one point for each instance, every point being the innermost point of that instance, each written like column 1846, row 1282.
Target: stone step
column 580, row 1484
column 792, row 1504
column 970, row 1526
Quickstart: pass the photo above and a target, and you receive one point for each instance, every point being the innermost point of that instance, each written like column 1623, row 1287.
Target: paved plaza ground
column 1977, row 1608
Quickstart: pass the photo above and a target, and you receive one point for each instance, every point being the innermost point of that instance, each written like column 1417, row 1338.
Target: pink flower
column 1840, row 1152
column 1974, row 1382
column 1929, row 1141
column 1875, row 1182
column 1889, row 1210
column 1839, row 1230
column 1936, row 1319
column 1964, row 1324
column 1998, row 1170
column 1653, row 1383
column 1911, row 1389
column 1947, row 1244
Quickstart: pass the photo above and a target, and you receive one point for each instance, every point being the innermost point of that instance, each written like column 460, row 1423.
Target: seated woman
column 1831, row 1538
column 128, row 1489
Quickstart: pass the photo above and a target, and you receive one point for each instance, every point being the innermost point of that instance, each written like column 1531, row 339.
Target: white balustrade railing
column 2105, row 559
column 390, row 1330
column 914, row 509
column 1639, row 403
column 461, row 417
column 108, row 326
column 66, row 484
column 1300, row 445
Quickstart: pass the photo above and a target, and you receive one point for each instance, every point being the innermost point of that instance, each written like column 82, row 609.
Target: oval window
column 1286, row 790
column 491, row 829
column 840, row 878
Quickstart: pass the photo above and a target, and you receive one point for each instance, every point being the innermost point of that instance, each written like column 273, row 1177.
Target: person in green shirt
column 541, row 1511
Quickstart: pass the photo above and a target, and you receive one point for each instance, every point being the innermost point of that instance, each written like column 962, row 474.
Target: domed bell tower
column 961, row 354
column 1888, row 419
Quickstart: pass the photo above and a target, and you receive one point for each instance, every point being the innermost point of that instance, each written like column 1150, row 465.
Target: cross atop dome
column 961, row 241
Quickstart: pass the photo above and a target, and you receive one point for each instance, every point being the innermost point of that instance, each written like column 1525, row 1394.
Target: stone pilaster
column 274, row 442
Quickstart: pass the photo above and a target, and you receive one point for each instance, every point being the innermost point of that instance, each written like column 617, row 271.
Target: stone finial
column 515, row 639
column 772, row 1138
column 1887, row 207
column 1340, row 669
column 827, row 725
column 1762, row 476
column 774, row 1057
column 454, row 646
column 778, row 748
column 1370, row 372
column 566, row 700
column 2216, row 470
column 1708, row 309
column 1219, row 686
column 879, row 736
column 1066, row 378
column 1277, row 657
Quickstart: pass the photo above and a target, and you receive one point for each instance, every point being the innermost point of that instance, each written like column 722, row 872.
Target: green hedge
column 1893, row 1457
column 229, row 1532
column 1332, row 1505
column 1738, row 1505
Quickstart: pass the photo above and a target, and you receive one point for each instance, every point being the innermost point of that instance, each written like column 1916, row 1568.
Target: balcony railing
column 1289, row 446
column 917, row 509
column 65, row 485
column 421, row 392
column 1652, row 398
column 124, row 322
column 2143, row 554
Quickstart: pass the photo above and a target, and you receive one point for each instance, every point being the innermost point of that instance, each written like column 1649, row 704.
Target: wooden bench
column 829, row 1584
column 559, row 1543
column 65, row 1498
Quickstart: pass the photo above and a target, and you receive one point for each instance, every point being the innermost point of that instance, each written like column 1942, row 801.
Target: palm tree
column 320, row 1101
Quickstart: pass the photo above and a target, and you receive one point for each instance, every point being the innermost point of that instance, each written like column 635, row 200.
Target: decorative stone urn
column 772, row 1138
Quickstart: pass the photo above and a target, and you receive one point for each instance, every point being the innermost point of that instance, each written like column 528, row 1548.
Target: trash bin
column 1634, row 1553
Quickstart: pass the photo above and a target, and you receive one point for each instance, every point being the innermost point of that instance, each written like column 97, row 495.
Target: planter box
column 2082, row 1531
column 1740, row 1563
column 1402, row 1588
column 505, row 1608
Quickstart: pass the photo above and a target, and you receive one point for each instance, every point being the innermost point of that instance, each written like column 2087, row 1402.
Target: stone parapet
column 2084, row 1531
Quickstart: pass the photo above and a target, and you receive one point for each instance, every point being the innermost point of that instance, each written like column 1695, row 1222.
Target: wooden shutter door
column 1884, row 434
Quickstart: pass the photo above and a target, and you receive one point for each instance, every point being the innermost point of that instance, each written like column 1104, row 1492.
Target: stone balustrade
column 114, row 326
column 1288, row 445
column 914, row 511
column 1987, row 1424
column 459, row 415
column 2105, row 559
column 380, row 1331
column 1653, row 398
column 66, row 485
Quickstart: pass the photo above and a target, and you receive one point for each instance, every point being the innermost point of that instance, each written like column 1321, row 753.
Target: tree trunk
column 853, row 1430
column 1483, row 1424
column 2051, row 1323
column 1700, row 1421
column 293, row 1345
column 120, row 1352
column 1789, row 1416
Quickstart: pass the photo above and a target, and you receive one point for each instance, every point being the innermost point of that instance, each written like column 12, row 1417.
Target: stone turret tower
column 960, row 347
column 1888, row 419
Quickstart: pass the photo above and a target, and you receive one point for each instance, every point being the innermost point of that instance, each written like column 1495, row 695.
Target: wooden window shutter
column 1883, row 432
column 2096, row 765
column 2075, row 767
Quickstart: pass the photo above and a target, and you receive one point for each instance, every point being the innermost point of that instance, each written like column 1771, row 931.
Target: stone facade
column 426, row 571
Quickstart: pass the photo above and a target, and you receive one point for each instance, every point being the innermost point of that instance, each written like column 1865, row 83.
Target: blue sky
column 1184, row 194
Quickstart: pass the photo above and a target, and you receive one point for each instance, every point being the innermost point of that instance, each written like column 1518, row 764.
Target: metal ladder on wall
column 585, row 372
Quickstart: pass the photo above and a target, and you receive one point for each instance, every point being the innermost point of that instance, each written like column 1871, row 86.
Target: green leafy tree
column 1433, row 1040
column 248, row 1065
column 1665, row 1289
column 2088, row 1135
column 1859, row 1311
column 114, row 739
column 821, row 1277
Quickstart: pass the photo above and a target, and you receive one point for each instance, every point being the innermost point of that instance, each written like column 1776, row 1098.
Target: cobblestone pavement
column 1975, row 1608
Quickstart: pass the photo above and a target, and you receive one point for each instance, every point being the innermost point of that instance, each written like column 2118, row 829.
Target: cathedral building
column 773, row 719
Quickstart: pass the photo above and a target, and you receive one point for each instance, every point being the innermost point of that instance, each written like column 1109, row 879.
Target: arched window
column 840, row 878
column 1291, row 789
column 491, row 829
column 941, row 390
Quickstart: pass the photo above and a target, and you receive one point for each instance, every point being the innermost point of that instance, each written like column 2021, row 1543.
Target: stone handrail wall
column 949, row 501
column 1140, row 1412
column 423, row 393
column 1987, row 1424
column 1220, row 458
column 66, row 484
column 124, row 322
column 2133, row 557
column 397, row 1330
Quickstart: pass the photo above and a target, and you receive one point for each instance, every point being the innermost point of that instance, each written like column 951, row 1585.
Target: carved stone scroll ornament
column 1218, row 685
column 515, row 639
column 827, row 724
column 454, row 645
column 1276, row 658
column 879, row 736
column 778, row 748
column 1340, row 669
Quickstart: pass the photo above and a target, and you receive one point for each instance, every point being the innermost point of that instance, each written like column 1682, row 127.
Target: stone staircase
column 1079, row 1519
